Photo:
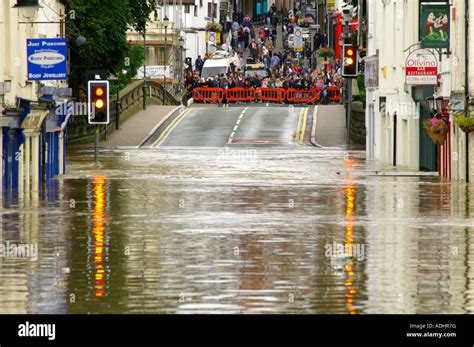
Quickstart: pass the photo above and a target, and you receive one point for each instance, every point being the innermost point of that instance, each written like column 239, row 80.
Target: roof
column 216, row 62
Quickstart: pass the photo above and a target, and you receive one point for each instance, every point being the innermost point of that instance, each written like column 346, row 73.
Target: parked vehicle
column 215, row 67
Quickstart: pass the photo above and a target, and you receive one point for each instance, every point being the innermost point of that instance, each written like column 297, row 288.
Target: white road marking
column 231, row 138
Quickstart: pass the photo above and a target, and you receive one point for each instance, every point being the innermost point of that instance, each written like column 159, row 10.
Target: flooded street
column 242, row 230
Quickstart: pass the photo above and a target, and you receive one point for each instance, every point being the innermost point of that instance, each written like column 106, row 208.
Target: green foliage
column 362, row 91
column 140, row 11
column 104, row 24
column 214, row 26
column 132, row 63
column 325, row 52
column 466, row 123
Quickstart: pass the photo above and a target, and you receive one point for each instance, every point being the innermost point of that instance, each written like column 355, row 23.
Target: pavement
column 136, row 128
column 329, row 126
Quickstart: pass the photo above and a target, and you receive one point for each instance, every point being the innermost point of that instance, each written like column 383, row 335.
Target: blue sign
column 47, row 59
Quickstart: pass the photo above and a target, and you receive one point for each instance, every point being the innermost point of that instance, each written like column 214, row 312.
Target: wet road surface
column 223, row 228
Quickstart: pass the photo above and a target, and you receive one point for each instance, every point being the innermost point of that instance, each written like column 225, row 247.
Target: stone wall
column 358, row 130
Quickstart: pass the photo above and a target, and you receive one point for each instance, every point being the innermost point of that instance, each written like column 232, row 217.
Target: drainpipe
column 466, row 83
column 395, row 139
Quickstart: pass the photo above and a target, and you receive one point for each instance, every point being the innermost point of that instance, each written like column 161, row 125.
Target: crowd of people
column 284, row 69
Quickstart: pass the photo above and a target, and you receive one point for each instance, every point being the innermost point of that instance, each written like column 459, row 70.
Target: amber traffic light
column 98, row 102
column 350, row 63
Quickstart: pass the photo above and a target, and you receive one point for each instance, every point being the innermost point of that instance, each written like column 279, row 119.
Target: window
column 186, row 8
column 200, row 3
column 211, row 10
column 195, row 11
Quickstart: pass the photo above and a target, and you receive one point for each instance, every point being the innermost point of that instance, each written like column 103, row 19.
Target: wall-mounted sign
column 371, row 71
column 421, row 68
column 435, row 21
column 47, row 59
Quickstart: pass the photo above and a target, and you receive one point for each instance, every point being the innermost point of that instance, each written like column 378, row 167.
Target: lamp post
column 438, row 106
column 144, row 68
column 181, row 59
column 27, row 9
column 166, row 22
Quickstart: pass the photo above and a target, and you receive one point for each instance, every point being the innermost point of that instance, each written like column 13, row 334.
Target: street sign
column 298, row 40
column 421, row 68
column 211, row 37
column 47, row 59
column 298, row 32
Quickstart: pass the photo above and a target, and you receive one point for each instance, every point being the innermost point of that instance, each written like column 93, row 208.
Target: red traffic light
column 350, row 52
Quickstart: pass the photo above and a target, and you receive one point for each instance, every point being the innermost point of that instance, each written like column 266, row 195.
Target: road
column 237, row 125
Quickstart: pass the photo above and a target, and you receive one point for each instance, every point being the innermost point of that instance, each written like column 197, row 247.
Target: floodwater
column 244, row 230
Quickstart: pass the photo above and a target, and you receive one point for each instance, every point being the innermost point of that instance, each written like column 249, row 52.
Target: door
column 428, row 150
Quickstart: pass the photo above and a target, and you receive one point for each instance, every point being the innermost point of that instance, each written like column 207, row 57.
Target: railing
column 277, row 95
column 131, row 100
column 240, row 94
column 271, row 94
column 131, row 97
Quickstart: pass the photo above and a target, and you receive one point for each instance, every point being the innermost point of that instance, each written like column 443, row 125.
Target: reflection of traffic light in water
column 99, row 223
column 350, row 192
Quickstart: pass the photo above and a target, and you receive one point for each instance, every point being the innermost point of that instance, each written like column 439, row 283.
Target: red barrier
column 334, row 94
column 317, row 94
column 208, row 94
column 271, row 94
column 300, row 96
column 240, row 94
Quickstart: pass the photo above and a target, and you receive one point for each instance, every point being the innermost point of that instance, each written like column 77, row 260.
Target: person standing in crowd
column 252, row 33
column 240, row 35
column 274, row 35
column 261, row 34
column 247, row 22
column 254, row 50
column 246, row 37
column 199, row 63
column 270, row 46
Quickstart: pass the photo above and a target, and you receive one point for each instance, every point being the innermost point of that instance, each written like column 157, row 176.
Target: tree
column 104, row 24
column 140, row 11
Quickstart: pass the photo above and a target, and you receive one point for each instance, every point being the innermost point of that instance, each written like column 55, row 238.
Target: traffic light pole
column 96, row 146
column 144, row 70
column 349, row 109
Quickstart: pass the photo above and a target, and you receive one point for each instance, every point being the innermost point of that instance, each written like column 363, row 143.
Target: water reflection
column 100, row 244
column 350, row 192
column 171, row 231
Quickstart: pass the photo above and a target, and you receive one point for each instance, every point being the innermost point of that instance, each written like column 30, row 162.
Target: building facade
column 396, row 110
column 33, row 134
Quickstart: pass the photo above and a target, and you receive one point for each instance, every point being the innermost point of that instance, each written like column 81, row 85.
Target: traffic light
column 98, row 102
column 350, row 64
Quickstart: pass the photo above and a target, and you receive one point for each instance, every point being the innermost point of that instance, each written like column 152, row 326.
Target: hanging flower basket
column 437, row 129
column 214, row 26
column 437, row 138
column 325, row 52
column 465, row 123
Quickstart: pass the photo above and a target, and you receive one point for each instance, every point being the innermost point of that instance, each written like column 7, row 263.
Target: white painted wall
column 195, row 41
column 392, row 29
